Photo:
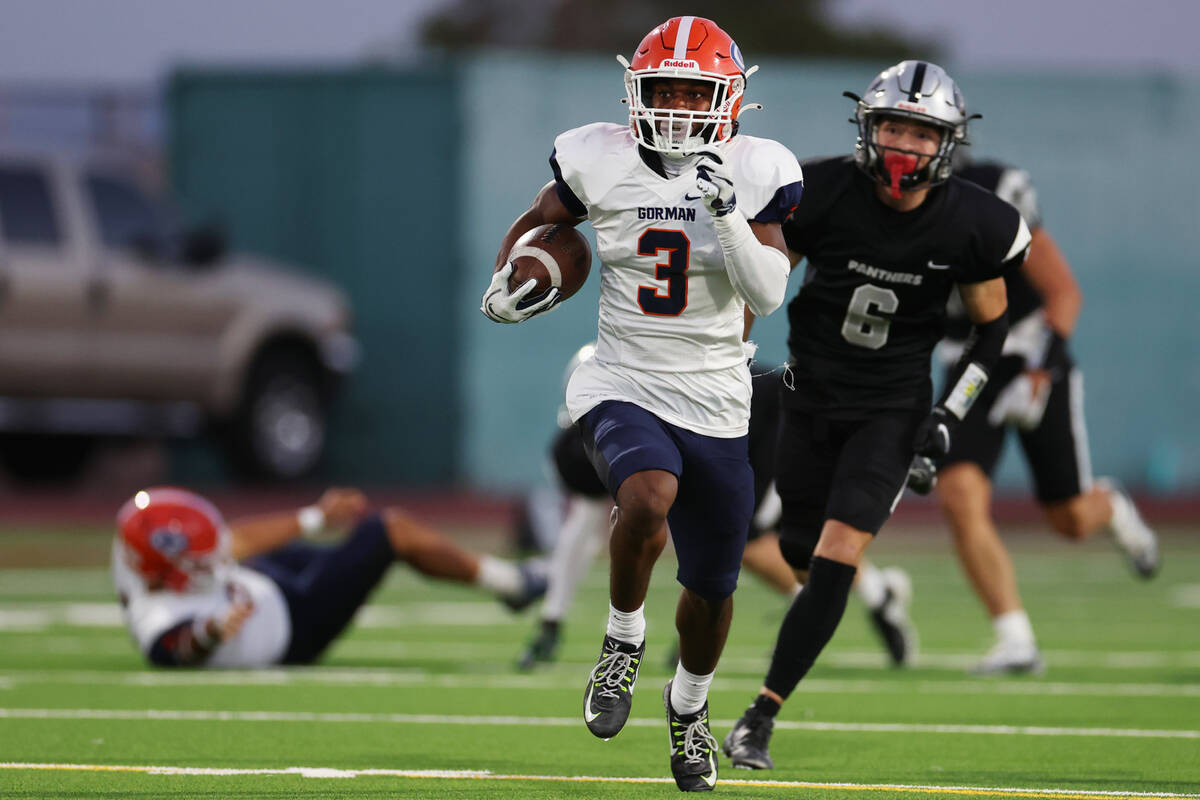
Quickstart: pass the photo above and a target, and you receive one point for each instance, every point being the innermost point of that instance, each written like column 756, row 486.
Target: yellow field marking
column 333, row 773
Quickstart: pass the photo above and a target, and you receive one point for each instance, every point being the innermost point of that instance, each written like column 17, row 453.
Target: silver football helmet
column 916, row 90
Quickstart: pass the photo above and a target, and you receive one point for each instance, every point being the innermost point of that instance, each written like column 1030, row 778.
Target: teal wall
column 1114, row 160
column 353, row 176
column 400, row 186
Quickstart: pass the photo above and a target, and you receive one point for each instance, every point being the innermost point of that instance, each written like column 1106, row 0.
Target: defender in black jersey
column 888, row 234
column 1037, row 391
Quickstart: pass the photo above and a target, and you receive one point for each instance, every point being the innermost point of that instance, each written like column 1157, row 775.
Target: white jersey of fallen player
column 262, row 641
column 670, row 323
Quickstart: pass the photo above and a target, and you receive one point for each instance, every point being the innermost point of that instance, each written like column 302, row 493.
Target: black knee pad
column 797, row 547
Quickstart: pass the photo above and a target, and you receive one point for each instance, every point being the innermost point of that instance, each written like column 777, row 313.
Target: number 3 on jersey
column 861, row 327
column 673, row 271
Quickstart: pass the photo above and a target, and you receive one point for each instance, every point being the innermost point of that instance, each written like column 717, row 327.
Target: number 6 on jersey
column 861, row 327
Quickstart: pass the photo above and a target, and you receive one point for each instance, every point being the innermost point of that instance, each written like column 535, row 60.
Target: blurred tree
column 792, row 27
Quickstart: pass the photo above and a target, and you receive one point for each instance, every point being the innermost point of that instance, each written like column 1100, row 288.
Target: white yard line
column 566, row 680
column 562, row 722
column 484, row 775
column 744, row 660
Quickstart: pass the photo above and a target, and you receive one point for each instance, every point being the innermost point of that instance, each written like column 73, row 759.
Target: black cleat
column 533, row 586
column 543, row 648
column 746, row 745
column 891, row 620
column 693, row 748
column 609, row 694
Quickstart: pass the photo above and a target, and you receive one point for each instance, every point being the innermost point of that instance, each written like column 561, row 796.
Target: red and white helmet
column 685, row 48
column 174, row 538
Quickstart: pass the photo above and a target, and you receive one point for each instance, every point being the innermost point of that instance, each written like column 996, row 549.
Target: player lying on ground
column 198, row 592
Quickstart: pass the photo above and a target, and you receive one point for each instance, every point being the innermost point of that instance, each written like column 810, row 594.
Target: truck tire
column 279, row 431
column 36, row 458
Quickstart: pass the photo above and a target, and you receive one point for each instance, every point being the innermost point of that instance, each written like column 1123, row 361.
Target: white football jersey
column 670, row 323
column 262, row 641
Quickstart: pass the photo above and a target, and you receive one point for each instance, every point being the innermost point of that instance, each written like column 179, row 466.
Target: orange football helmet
column 173, row 538
column 685, row 48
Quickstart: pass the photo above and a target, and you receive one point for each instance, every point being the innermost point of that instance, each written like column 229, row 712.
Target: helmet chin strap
column 898, row 165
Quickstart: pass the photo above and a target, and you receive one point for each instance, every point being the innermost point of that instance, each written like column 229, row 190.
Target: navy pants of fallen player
column 325, row 586
column 711, row 514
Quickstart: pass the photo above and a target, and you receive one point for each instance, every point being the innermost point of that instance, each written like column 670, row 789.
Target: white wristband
column 312, row 521
column 966, row 391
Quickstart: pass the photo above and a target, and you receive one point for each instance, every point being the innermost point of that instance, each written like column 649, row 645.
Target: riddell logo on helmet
column 911, row 107
column 679, row 63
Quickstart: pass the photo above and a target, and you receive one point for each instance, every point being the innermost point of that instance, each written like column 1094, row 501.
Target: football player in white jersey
column 197, row 592
column 687, row 217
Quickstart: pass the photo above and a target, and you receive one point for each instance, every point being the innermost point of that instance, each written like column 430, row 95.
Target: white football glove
column 1020, row 403
column 500, row 305
column 714, row 182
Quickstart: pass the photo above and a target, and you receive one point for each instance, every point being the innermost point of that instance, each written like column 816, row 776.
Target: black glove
column 933, row 434
column 922, row 475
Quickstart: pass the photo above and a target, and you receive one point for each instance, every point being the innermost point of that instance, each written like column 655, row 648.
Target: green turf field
column 421, row 698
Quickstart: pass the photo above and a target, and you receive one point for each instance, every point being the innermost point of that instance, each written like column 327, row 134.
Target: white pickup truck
column 114, row 323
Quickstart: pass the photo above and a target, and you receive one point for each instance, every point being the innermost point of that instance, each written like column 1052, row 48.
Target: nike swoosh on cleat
column 588, row 716
column 932, row 265
column 711, row 778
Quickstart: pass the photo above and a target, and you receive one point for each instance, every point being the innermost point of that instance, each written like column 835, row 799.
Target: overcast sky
column 1076, row 34
column 136, row 41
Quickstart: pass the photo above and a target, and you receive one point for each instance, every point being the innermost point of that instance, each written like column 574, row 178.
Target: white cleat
column 1011, row 658
column 1130, row 532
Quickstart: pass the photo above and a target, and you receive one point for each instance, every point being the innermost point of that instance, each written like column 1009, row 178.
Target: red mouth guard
column 897, row 165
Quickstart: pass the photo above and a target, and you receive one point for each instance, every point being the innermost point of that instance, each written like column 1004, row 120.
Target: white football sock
column 627, row 626
column 689, row 691
column 501, row 576
column 579, row 539
column 1013, row 627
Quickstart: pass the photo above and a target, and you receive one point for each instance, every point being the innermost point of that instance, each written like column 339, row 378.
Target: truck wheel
column 280, row 429
column 45, row 458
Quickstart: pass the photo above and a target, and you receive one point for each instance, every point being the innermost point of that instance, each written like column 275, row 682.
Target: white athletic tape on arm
column 541, row 255
column 311, row 520
column 966, row 391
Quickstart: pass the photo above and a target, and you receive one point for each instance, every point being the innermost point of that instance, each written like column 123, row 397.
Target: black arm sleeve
column 982, row 350
column 1056, row 351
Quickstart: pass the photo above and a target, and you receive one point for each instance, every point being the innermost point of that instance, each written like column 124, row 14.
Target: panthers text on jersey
column 670, row 323
column 873, row 302
column 262, row 641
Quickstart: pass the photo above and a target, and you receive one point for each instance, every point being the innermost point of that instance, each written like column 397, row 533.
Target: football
column 553, row 255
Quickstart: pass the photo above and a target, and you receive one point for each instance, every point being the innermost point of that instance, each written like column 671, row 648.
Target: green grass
column 406, row 692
